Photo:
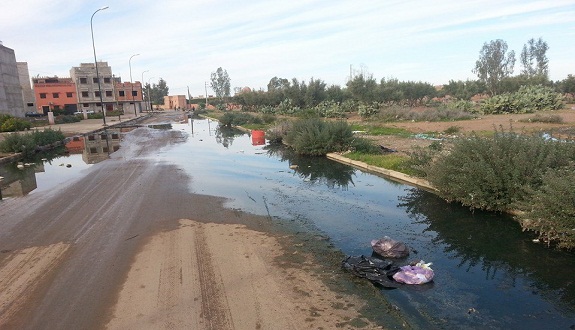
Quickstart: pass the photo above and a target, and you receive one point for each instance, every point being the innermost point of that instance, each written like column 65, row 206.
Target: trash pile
column 385, row 272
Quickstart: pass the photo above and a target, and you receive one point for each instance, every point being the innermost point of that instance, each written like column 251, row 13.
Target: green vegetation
column 315, row 137
column 391, row 161
column 527, row 100
column 552, row 119
column 12, row 124
column 508, row 172
column 27, row 144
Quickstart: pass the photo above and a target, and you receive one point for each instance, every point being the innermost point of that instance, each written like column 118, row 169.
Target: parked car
column 81, row 112
column 34, row 114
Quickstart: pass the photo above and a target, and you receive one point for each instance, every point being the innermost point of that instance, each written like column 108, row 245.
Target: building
column 27, row 93
column 175, row 102
column 129, row 98
column 55, row 94
column 10, row 89
column 88, row 90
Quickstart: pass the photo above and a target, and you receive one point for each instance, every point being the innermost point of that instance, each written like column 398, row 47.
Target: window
column 93, row 150
column 115, row 136
column 30, row 104
column 95, row 80
column 76, row 138
column 83, row 80
column 107, row 80
column 84, row 94
column 45, row 108
column 55, row 95
column 116, row 148
column 68, row 94
column 109, row 93
column 122, row 93
column 97, row 93
column 86, row 105
column 134, row 93
column 91, row 138
column 42, row 95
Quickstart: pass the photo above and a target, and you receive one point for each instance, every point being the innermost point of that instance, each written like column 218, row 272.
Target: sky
column 184, row 41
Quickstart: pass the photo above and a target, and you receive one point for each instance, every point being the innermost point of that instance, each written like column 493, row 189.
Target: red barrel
column 258, row 137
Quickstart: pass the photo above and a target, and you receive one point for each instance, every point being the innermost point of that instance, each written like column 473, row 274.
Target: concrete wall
column 27, row 93
column 10, row 89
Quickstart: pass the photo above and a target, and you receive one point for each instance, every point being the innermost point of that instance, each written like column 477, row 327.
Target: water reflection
column 20, row 179
column 314, row 169
column 494, row 244
column 226, row 135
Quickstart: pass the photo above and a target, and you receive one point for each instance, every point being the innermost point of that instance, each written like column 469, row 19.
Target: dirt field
column 484, row 124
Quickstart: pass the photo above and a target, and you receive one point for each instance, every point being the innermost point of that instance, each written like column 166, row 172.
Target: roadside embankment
column 394, row 175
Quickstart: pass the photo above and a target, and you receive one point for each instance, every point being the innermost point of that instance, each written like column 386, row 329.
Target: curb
column 394, row 175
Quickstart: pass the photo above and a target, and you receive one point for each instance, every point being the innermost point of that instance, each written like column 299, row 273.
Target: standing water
column 488, row 273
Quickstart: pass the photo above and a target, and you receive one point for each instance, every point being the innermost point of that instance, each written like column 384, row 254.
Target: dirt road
column 129, row 247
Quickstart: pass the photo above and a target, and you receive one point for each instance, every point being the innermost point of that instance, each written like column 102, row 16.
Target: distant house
column 175, row 102
column 53, row 93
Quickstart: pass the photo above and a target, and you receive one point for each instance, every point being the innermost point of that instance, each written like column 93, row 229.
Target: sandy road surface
column 127, row 246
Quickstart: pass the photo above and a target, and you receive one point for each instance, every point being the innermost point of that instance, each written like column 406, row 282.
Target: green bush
column 314, row 137
column 232, row 118
column 527, row 99
column 16, row 142
column 65, row 119
column 13, row 124
column 330, row 109
column 550, row 210
column 28, row 143
column 47, row 136
column 495, row 173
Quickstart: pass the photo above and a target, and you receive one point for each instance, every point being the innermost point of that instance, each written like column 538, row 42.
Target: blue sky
column 184, row 41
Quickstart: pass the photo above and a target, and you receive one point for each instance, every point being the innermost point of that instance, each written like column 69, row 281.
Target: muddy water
column 489, row 274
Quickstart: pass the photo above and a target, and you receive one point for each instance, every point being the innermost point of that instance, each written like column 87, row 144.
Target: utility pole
column 206, row 87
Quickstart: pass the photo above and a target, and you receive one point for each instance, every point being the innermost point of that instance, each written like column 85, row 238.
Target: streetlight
column 131, row 83
column 142, row 83
column 149, row 94
column 96, row 63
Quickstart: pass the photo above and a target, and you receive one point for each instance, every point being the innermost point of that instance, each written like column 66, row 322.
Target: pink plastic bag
column 418, row 274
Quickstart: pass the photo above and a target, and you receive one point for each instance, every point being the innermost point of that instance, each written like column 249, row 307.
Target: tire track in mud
column 21, row 274
column 215, row 310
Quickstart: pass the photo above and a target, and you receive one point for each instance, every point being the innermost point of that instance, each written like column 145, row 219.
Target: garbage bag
column 419, row 273
column 389, row 248
column 375, row 270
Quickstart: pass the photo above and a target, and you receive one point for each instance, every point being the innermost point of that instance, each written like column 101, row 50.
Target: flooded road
column 489, row 274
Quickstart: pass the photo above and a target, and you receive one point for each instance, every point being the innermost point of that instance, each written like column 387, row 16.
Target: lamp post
column 96, row 63
column 132, row 84
column 149, row 93
column 142, row 83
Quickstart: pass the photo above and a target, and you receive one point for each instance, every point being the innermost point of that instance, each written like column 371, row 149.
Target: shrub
column 550, row 210
column 314, row 137
column 552, row 119
column 368, row 110
column 495, row 173
column 47, row 136
column 15, row 142
column 13, row 124
column 527, row 99
column 330, row 109
column 67, row 119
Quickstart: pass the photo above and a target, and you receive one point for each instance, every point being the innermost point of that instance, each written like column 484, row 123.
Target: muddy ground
column 129, row 247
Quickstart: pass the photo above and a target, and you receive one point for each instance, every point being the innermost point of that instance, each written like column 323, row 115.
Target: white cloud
column 184, row 41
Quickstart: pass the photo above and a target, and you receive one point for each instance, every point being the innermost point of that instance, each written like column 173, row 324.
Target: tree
column 221, row 83
column 494, row 64
column 534, row 58
column 157, row 91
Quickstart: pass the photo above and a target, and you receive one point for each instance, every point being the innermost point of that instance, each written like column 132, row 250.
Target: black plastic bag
column 376, row 270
